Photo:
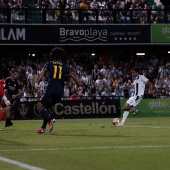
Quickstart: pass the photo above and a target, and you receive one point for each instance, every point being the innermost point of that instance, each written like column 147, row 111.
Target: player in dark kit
column 55, row 89
column 13, row 92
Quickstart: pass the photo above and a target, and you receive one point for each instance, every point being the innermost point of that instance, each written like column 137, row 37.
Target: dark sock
column 44, row 124
column 7, row 121
column 46, row 115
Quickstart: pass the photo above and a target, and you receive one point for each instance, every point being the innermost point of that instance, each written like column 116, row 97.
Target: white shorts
column 134, row 100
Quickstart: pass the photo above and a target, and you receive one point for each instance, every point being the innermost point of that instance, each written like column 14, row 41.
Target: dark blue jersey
column 57, row 72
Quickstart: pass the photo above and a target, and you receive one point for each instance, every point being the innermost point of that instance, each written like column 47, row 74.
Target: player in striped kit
column 136, row 97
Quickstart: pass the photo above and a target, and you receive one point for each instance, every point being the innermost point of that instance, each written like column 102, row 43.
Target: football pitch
column 87, row 144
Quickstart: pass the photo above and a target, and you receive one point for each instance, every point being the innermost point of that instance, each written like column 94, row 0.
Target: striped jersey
column 139, row 85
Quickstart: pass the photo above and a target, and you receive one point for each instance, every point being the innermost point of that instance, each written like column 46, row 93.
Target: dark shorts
column 50, row 99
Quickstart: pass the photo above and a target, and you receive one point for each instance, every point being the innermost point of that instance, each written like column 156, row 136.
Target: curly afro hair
column 57, row 53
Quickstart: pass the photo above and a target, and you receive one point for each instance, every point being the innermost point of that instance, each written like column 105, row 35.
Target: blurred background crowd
column 127, row 11
column 100, row 76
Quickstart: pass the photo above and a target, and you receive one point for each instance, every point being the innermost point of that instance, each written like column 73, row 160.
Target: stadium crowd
column 100, row 76
column 127, row 11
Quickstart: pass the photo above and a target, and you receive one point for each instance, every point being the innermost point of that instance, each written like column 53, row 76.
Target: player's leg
column 41, row 107
column 1, row 113
column 126, row 110
column 6, row 105
column 137, row 101
column 7, row 116
column 128, row 105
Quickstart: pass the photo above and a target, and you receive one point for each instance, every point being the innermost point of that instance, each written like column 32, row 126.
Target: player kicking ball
column 57, row 72
column 136, row 97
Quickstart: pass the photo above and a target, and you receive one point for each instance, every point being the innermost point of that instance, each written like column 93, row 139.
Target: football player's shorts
column 134, row 100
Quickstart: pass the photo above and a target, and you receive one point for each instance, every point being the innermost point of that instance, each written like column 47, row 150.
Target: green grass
column 88, row 144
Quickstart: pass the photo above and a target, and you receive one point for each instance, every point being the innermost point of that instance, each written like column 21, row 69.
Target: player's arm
column 73, row 76
column 40, row 76
column 19, row 91
column 2, row 95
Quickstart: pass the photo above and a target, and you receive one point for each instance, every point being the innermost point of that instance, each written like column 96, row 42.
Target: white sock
column 125, row 115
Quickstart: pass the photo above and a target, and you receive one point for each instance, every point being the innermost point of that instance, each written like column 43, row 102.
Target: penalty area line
column 22, row 165
column 88, row 148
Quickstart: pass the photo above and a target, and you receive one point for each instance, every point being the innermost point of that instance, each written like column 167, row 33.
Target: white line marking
column 26, row 166
column 89, row 148
column 154, row 127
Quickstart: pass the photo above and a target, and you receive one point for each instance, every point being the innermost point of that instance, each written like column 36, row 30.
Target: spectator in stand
column 115, row 71
column 163, row 93
column 154, row 62
column 109, row 7
column 141, row 4
column 95, row 72
column 28, row 86
column 97, row 95
column 120, row 86
column 84, row 7
column 154, row 15
column 151, row 74
column 32, row 78
column 106, row 93
column 68, row 64
column 107, row 81
column 125, row 91
column 66, row 92
column 162, row 14
column 75, row 68
column 85, row 78
column 167, row 81
column 163, row 71
column 22, row 77
column 88, row 95
column 80, row 72
column 43, row 84
column 39, row 69
column 31, row 96
column 28, row 71
column 130, row 86
column 104, row 71
column 115, row 81
column 94, row 6
column 124, row 15
column 74, row 95
column 75, row 5
column 80, row 93
column 99, row 82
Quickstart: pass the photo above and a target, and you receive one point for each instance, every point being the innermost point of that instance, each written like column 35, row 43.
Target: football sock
column 125, row 115
column 7, row 120
column 45, row 114
column 44, row 124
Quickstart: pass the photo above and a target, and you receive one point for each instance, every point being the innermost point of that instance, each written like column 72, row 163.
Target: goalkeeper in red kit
column 4, row 104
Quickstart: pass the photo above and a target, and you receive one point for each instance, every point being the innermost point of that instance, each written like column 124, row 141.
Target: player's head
column 15, row 74
column 135, row 71
column 57, row 53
